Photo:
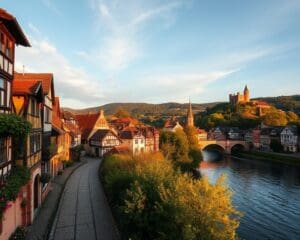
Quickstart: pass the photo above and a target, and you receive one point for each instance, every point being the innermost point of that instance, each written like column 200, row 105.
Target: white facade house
column 172, row 125
column 289, row 138
column 135, row 141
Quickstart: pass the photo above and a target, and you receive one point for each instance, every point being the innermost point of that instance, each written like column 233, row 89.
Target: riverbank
column 269, row 156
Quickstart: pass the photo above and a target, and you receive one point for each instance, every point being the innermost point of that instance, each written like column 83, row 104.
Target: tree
column 291, row 116
column 121, row 113
column 275, row 118
column 175, row 147
column 151, row 200
column 191, row 134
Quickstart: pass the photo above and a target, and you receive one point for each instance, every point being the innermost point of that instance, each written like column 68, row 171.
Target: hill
column 286, row 103
column 139, row 109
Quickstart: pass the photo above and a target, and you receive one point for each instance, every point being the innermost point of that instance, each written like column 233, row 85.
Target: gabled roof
column 86, row 123
column 56, row 120
column 13, row 27
column 26, row 88
column 101, row 133
column 171, row 123
column 45, row 78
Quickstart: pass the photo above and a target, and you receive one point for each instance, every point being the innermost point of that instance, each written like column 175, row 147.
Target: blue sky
column 103, row 51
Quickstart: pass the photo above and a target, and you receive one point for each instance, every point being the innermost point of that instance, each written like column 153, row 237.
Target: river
column 267, row 193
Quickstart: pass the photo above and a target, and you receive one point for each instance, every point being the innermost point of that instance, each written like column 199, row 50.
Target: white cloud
column 73, row 84
column 178, row 86
column 121, row 24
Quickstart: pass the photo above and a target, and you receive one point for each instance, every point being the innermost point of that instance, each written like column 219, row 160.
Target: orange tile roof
column 25, row 88
column 86, row 123
column 45, row 78
column 13, row 27
column 56, row 120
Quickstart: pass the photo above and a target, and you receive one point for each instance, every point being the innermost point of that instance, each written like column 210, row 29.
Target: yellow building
column 27, row 102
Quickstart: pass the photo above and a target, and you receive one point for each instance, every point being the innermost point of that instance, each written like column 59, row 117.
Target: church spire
column 190, row 116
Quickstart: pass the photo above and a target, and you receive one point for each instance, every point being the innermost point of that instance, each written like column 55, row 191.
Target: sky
column 156, row 51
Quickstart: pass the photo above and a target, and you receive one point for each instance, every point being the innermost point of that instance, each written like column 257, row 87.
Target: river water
column 267, row 193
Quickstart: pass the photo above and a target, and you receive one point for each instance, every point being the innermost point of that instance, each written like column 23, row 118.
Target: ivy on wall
column 9, row 189
column 16, row 127
column 13, row 125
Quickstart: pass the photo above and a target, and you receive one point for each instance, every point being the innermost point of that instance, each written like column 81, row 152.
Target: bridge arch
column 214, row 147
column 238, row 147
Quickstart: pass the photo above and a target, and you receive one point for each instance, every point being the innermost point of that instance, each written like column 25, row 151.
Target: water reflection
column 268, row 193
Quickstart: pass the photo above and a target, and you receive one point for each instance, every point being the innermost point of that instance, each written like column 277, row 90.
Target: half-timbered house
column 27, row 102
column 11, row 35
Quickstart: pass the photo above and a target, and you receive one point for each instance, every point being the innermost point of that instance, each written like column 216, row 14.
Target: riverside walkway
column 83, row 212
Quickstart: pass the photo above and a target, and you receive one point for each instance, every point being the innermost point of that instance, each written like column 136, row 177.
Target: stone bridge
column 224, row 145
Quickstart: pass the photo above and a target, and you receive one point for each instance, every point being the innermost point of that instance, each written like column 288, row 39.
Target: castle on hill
column 240, row 98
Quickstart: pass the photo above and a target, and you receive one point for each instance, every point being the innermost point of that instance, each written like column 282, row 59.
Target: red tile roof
column 56, row 120
column 86, row 123
column 25, row 88
column 45, row 78
column 13, row 27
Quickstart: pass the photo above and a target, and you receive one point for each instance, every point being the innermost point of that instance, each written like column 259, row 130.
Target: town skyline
column 166, row 50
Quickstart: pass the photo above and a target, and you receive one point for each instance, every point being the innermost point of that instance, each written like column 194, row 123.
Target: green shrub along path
column 152, row 200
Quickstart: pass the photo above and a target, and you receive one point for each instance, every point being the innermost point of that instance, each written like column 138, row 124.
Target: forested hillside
column 286, row 103
column 145, row 109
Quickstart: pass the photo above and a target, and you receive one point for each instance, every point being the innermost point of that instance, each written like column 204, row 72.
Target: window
column 6, row 46
column 3, row 150
column 35, row 143
column 34, row 108
column 136, row 141
column 3, row 88
column 47, row 115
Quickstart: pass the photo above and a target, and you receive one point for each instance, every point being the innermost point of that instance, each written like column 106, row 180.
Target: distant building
column 97, row 137
column 190, row 116
column 171, row 125
column 70, row 121
column 265, row 139
column 234, row 133
column 134, row 139
column 217, row 133
column 103, row 141
column 252, row 136
column 289, row 138
column 240, row 98
column 201, row 134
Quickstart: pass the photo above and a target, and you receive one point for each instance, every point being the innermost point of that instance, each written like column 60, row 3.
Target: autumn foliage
column 152, row 200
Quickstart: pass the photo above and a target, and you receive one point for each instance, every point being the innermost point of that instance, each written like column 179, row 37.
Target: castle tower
column 246, row 94
column 190, row 116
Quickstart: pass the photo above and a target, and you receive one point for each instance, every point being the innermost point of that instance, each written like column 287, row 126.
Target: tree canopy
column 152, row 200
column 122, row 113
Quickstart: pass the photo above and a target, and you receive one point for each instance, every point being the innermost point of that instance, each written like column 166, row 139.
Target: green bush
column 9, row 189
column 152, row 200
